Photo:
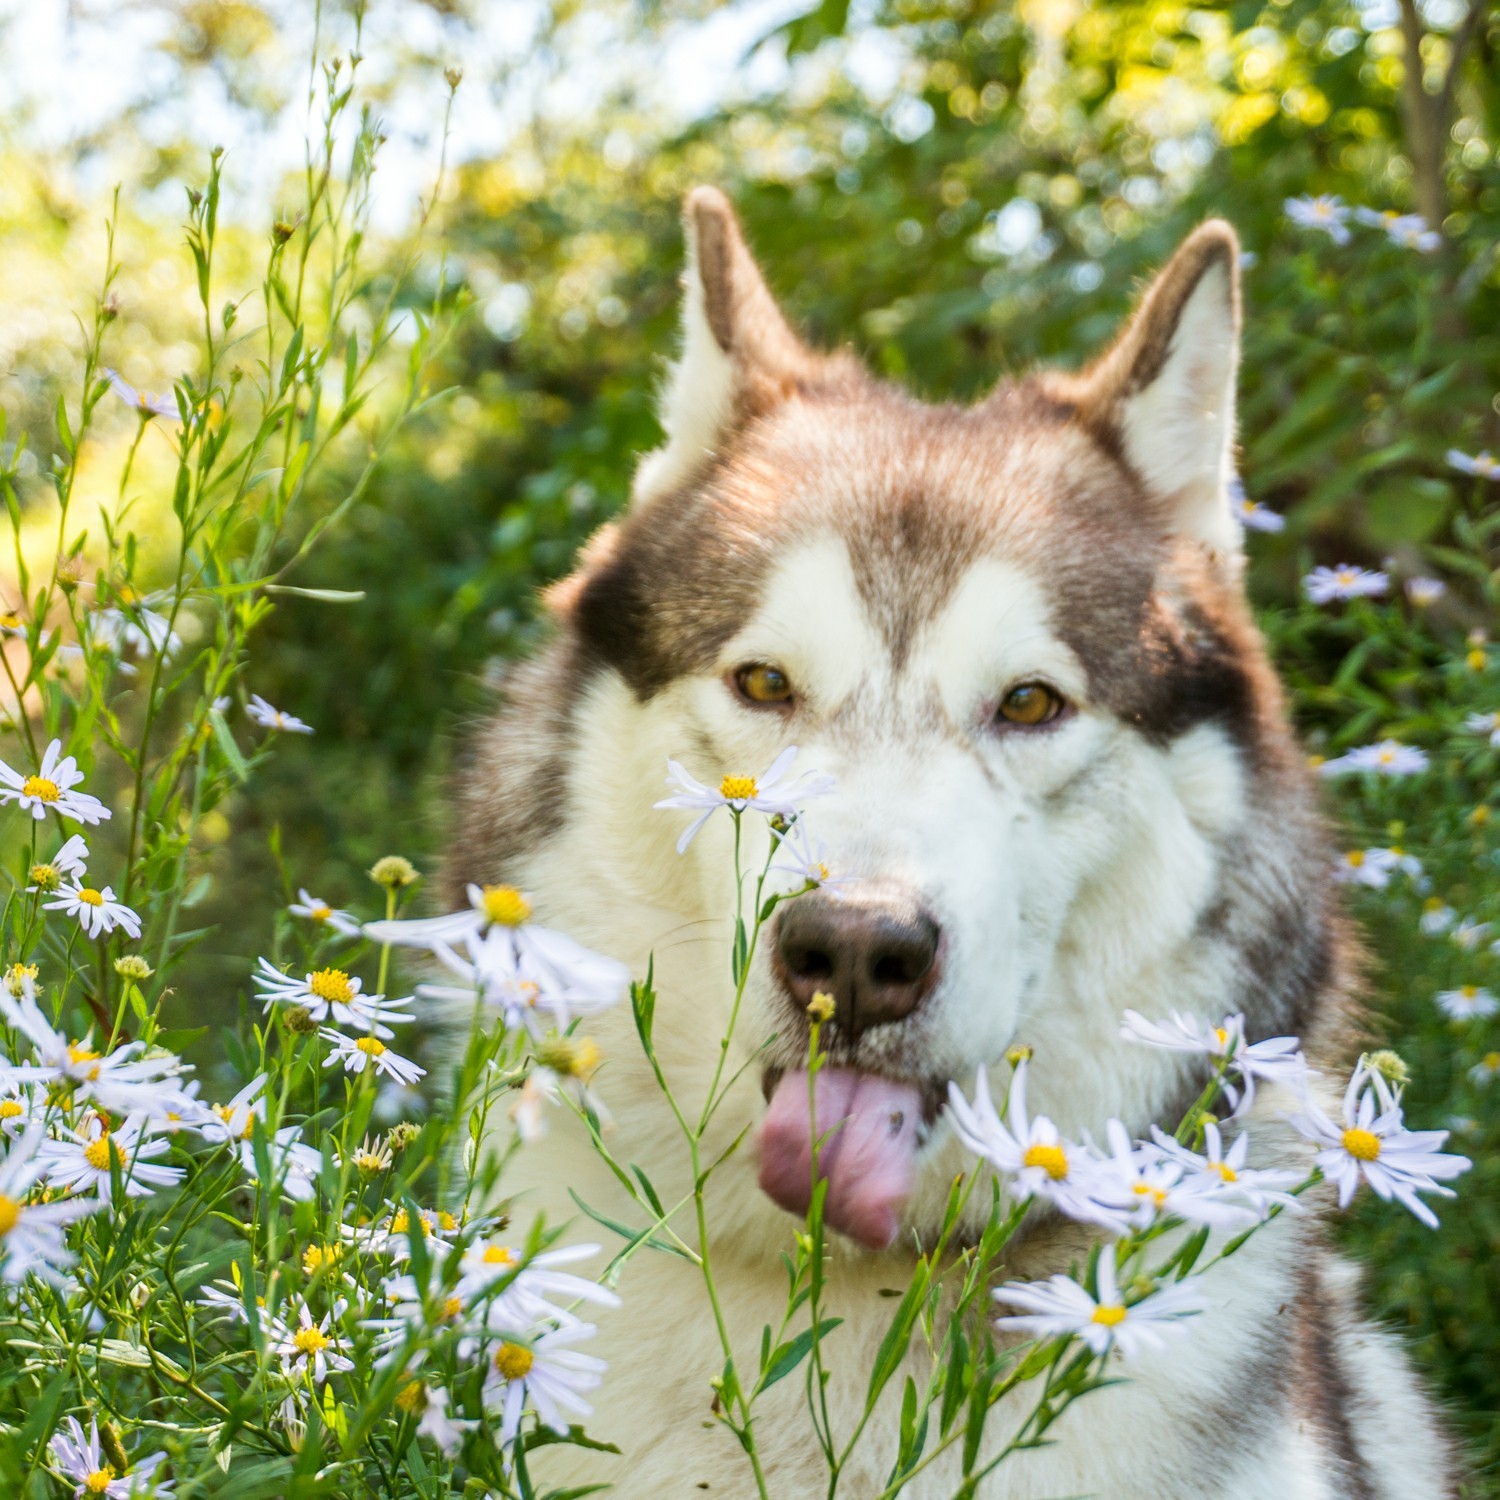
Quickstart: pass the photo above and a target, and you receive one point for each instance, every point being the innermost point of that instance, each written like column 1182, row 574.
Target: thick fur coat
column 1155, row 846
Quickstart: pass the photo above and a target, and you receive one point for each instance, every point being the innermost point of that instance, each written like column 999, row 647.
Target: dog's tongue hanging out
column 868, row 1126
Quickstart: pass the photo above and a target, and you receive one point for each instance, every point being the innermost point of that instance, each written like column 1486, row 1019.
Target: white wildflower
column 355, row 1053
column 97, row 911
column 80, row 1461
column 1277, row 1059
column 52, row 787
column 1324, row 585
column 543, row 1372
column 1369, row 867
column 1485, row 724
column 83, row 1160
column 1388, row 758
column 308, row 1348
column 315, row 910
column 1481, row 465
column 1469, row 1002
column 1327, row 212
column 31, row 1234
column 770, row 793
column 273, row 718
column 330, row 992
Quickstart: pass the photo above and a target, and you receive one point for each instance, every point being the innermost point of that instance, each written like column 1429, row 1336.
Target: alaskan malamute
column 1017, row 634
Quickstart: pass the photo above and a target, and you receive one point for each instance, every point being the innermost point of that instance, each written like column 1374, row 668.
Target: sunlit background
column 957, row 189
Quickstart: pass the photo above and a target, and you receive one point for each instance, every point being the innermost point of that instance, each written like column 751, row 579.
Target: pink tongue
column 868, row 1129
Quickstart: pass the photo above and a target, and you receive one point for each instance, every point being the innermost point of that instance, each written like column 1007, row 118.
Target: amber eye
column 1029, row 704
column 761, row 683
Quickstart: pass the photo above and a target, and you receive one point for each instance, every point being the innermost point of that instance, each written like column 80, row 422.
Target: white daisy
column 1487, row 1069
column 1481, row 465
column 1469, row 1002
column 224, row 1124
column 1259, row 1188
column 66, row 865
column 1423, row 592
column 1485, row 724
column 1039, row 1162
column 1437, row 917
column 273, row 718
column 1146, row 1184
column 20, row 1105
column 770, row 793
column 1409, row 231
column 357, row 1052
column 31, row 1234
column 1252, row 515
column 392, row 1236
column 1059, row 1307
column 308, row 1348
column 1327, row 212
column 524, row 1300
column 542, row 1371
column 1369, row 867
column 342, row 922
column 1371, row 1142
column 1469, row 934
column 447, row 1432
column 330, row 992
column 294, row 1164
column 80, row 1461
column 1324, row 585
column 84, row 1163
column 52, row 787
column 97, row 911
column 804, row 861
column 1388, row 758
column 227, row 1299
column 1276, row 1059
column 142, row 401
column 136, row 629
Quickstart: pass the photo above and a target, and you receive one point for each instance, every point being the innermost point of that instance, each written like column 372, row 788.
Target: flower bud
column 1390, row 1065
column 282, row 231
column 393, row 872
column 1017, row 1055
column 140, row 1295
column 401, row 1135
column 45, row 877
column 20, row 977
column 820, row 1007
column 299, row 1020
column 453, row 76
column 133, row 966
column 573, row 1058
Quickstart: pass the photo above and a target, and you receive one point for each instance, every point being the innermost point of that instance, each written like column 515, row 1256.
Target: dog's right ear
column 739, row 355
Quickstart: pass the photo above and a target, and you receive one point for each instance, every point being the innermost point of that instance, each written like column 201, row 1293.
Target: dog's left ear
column 1165, row 390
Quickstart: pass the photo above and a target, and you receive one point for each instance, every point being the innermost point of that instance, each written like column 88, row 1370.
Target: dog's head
column 1015, row 634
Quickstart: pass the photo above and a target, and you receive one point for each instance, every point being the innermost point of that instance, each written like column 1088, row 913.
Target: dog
column 1016, row 634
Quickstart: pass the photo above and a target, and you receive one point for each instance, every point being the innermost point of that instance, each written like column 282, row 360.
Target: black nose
column 876, row 954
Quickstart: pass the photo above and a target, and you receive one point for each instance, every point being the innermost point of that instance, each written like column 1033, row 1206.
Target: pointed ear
column 1165, row 390
column 739, row 356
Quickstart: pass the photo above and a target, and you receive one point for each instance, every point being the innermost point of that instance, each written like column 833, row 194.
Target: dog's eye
column 762, row 683
column 1029, row 704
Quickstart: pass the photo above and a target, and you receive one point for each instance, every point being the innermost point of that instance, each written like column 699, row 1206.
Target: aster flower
column 525, row 1299
column 142, row 401
column 295, row 1166
column 1276, row 1059
column 226, row 1299
column 391, row 1237
column 81, row 1462
column 67, row 864
column 1324, row 585
column 1368, row 867
column 1260, row 1188
column 1388, row 758
column 330, row 992
column 1145, row 1183
column 805, row 862
column 1370, row 1142
column 31, row 1234
column 1470, row 1002
column 52, row 787
column 315, row 910
column 83, row 1162
column 1485, row 724
column 1486, row 1070
column 97, row 911
column 1423, row 592
column 372, row 1155
column 1408, row 231
column 355, row 1053
column 273, row 718
column 1327, row 212
column 1481, row 465
column 1469, row 934
column 770, row 793
column 235, row 1121
column 20, row 1106
column 1030, row 1152
column 447, row 1432
column 1437, row 916
column 542, row 1371
column 134, row 627
column 1252, row 515
column 308, row 1348
column 1059, row 1308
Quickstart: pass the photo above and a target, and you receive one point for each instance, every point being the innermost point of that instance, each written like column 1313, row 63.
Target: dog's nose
column 876, row 955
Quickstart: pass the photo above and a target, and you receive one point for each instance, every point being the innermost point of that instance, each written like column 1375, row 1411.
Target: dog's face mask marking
column 1014, row 635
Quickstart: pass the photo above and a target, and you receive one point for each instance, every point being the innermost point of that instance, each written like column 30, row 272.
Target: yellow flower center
column 320, row 913
column 10, row 1215
column 310, row 1341
column 1346, row 576
column 331, row 985
column 446, row 1220
column 738, row 788
column 1144, row 1190
column 1491, row 1060
column 99, row 1481
column 412, row 1398
column 10, row 620
column 505, row 906
column 1476, row 660
column 316, row 1257
column 42, row 789
column 1225, row 1171
column 79, row 1053
column 498, row 1255
column 1221, row 1036
column 1110, row 1314
column 368, row 1161
column 514, row 1361
column 1355, row 858
column 45, row 876
column 10, row 1108
column 452, row 1306
column 90, row 896
column 98, row 1154
column 17, row 975
column 371, row 1046
column 1468, row 991
column 1362, row 1145
column 1385, row 757
column 1053, row 1160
